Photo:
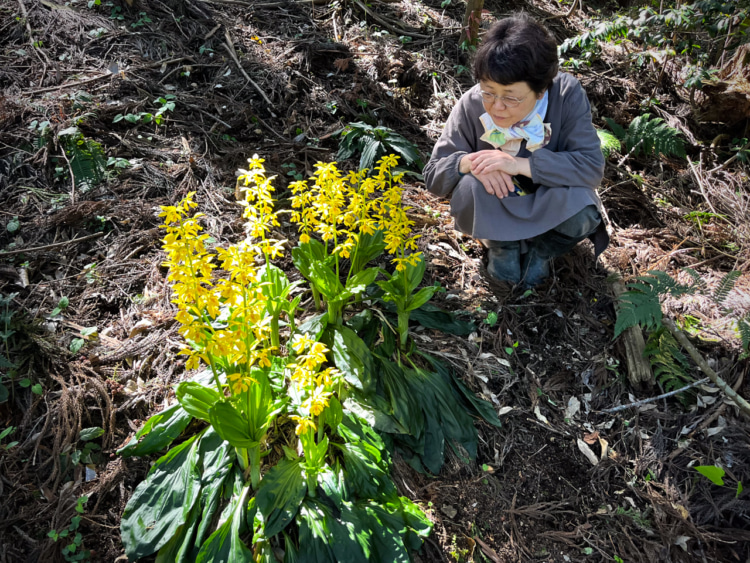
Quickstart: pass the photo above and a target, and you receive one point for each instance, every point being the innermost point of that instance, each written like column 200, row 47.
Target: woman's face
column 502, row 114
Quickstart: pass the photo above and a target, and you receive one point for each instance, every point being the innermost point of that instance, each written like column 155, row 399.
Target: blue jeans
column 557, row 241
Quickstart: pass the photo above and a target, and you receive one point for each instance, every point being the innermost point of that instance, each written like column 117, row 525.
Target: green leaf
column 353, row 359
column 231, row 425
column 430, row 316
column 359, row 281
column 226, row 544
column 366, row 471
column 76, row 344
column 326, row 280
column 217, row 458
column 333, row 415
column 609, row 142
column 197, row 399
column 420, row 298
column 369, row 247
column 161, row 503
column 279, row 495
column 306, row 253
column 37, row 389
column 739, row 489
column 712, row 473
column 405, row 405
column 158, row 432
column 90, row 433
column 325, row 537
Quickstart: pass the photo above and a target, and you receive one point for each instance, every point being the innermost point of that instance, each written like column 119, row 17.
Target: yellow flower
column 303, row 424
column 317, row 402
column 304, row 238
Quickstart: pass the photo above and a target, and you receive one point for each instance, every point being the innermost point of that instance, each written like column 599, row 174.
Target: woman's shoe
column 504, row 262
column 534, row 267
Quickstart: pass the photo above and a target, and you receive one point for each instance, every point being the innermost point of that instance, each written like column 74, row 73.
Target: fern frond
column 726, row 285
column 609, row 142
column 653, row 137
column 698, row 282
column 5, row 363
column 669, row 363
column 743, row 325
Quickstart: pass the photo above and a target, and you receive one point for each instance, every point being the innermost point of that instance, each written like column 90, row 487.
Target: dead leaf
column 449, row 511
column 488, row 551
column 682, row 541
column 539, row 415
column 342, row 64
column 141, row 326
column 585, row 450
column 605, row 447
column 574, row 405
column 591, row 438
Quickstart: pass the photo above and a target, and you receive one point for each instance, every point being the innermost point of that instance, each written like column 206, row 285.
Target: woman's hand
column 486, row 161
column 496, row 183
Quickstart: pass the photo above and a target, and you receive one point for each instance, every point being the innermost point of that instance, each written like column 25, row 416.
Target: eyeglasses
column 508, row 101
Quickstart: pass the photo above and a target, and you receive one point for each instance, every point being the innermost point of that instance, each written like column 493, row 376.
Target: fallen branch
column 637, row 404
column 705, row 368
column 232, row 53
column 49, row 246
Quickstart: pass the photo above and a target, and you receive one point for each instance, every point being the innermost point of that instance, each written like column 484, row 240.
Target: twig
column 72, row 176
column 570, row 11
column 657, row 398
column 232, row 53
column 702, row 186
column 49, row 246
column 731, row 159
column 705, row 368
column 386, row 24
column 68, row 85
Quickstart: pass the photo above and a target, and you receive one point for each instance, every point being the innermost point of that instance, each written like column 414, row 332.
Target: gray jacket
column 564, row 174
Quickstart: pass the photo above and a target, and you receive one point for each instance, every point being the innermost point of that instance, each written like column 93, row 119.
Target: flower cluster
column 312, row 383
column 342, row 208
column 258, row 204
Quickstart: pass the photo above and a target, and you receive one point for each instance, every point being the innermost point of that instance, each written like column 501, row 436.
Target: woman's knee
column 581, row 224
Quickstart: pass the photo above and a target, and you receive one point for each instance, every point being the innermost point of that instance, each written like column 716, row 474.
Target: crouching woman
column 519, row 156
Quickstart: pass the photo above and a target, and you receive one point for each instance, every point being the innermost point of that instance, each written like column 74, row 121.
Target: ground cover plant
column 111, row 113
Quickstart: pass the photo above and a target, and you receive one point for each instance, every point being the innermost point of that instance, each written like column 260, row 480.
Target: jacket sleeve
column 458, row 139
column 578, row 161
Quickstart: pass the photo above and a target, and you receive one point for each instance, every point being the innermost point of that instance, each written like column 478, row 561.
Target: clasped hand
column 494, row 168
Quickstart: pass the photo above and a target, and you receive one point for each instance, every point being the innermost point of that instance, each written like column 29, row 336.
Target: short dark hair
column 517, row 49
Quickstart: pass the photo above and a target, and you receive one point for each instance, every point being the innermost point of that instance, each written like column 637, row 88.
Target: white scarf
column 531, row 128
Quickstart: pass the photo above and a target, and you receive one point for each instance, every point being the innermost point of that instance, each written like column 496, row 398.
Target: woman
column 520, row 157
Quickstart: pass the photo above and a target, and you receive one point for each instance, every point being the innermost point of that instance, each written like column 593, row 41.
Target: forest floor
column 279, row 79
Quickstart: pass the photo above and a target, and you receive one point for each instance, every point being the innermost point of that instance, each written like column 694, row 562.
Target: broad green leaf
column 314, row 326
column 430, row 316
column 225, row 544
column 306, row 253
column 279, row 495
column 712, row 473
column 481, row 408
column 90, row 433
column 158, row 432
column 414, row 274
column 369, row 247
column 325, row 537
column 333, row 414
column 326, row 280
column 216, row 458
column 387, row 524
column 420, row 298
column 374, row 411
column 197, row 399
column 231, row 425
column 359, row 281
column 405, row 404
column 162, row 503
column 365, row 470
column 353, row 359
